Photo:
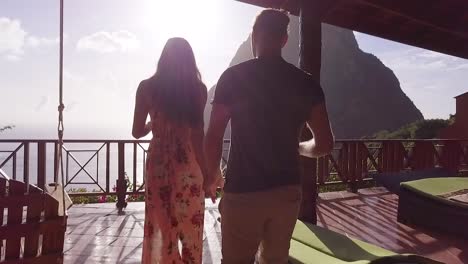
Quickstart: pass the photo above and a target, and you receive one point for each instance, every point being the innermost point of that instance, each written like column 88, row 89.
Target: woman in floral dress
column 174, row 98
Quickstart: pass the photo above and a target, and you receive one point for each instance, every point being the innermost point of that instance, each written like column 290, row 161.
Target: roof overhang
column 437, row 25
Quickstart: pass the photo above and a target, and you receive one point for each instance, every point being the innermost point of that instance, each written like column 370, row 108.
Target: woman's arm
column 198, row 134
column 140, row 128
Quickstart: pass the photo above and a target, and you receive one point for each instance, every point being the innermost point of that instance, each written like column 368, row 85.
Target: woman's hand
column 211, row 185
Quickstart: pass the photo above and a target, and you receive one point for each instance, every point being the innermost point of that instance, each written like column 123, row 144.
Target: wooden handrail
column 351, row 161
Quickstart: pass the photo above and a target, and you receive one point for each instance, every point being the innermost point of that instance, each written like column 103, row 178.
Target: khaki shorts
column 257, row 226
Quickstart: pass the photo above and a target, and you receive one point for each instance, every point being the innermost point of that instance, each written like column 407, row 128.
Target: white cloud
column 108, row 42
column 415, row 59
column 463, row 66
column 43, row 102
column 35, row 42
column 12, row 57
column 14, row 39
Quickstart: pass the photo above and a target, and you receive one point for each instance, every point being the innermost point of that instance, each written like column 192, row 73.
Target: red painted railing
column 352, row 161
column 117, row 167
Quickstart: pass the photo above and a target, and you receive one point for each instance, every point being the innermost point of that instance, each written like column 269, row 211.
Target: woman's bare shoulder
column 144, row 88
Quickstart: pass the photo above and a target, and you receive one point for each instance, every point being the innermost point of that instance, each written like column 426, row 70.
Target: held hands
column 211, row 185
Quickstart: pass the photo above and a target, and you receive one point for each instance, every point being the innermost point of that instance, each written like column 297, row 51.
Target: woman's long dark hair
column 178, row 88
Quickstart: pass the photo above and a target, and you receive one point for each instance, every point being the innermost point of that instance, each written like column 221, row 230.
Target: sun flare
column 184, row 18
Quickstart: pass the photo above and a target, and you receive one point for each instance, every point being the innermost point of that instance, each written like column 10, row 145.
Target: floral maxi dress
column 174, row 210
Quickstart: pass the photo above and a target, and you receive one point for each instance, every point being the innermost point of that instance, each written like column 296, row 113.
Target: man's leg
column 242, row 228
column 284, row 209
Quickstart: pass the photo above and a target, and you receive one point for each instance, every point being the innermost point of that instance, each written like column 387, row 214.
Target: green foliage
column 135, row 197
column 103, row 198
column 423, row 129
column 91, row 199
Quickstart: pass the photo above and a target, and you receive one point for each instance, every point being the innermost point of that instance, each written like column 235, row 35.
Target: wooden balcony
column 97, row 234
column 115, row 168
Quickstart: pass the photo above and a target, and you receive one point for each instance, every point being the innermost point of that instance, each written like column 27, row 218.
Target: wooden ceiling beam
column 415, row 18
column 424, row 10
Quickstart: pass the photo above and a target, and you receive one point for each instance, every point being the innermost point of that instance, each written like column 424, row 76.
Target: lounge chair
column 435, row 203
column 311, row 244
column 393, row 180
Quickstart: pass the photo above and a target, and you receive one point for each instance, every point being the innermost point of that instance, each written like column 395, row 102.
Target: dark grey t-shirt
column 270, row 101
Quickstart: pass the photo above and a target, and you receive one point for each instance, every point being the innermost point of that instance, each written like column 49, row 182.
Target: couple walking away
column 268, row 102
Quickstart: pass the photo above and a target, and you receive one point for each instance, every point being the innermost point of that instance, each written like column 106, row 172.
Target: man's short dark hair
column 272, row 24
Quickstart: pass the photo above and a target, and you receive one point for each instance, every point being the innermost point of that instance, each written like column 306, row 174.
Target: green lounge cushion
column 434, row 187
column 300, row 253
column 313, row 244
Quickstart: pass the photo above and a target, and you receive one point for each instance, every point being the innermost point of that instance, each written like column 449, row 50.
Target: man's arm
column 220, row 116
column 319, row 125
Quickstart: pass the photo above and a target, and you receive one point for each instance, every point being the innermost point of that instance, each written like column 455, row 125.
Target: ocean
column 84, row 164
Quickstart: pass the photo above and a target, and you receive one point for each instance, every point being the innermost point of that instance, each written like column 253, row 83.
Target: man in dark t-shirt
column 268, row 102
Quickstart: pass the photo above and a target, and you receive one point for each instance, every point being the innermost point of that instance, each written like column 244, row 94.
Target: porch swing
column 36, row 234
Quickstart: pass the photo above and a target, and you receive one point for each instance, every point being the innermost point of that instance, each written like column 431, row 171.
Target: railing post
column 56, row 162
column 14, row 166
column 121, row 181
column 26, row 163
column 107, row 167
column 352, row 163
column 41, row 164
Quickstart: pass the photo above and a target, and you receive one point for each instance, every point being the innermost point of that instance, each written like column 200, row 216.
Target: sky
column 111, row 45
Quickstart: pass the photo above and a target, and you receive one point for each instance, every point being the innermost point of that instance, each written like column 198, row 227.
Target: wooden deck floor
column 96, row 234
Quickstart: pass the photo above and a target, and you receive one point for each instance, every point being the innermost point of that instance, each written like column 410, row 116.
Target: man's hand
column 211, row 185
column 319, row 125
column 220, row 116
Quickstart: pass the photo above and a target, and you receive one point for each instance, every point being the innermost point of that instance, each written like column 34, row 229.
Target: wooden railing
column 117, row 167
column 353, row 161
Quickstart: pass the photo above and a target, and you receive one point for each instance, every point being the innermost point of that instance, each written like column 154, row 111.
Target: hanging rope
column 61, row 107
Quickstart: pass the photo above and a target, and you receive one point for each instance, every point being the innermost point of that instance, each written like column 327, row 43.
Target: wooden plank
column 135, row 157
column 47, row 259
column 31, row 243
column 15, row 215
column 121, row 181
column 2, row 209
column 52, row 241
column 352, row 161
column 361, row 158
column 320, row 173
column 393, row 156
column 107, row 167
column 345, row 162
column 8, row 201
column 2, row 195
column 423, row 156
column 400, row 149
column 41, row 164
column 380, row 163
column 26, row 164
column 21, row 230
column 452, row 154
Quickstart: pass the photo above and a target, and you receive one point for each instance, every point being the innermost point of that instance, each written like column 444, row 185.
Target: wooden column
column 310, row 61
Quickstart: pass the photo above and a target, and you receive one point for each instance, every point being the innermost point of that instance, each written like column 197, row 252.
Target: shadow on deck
column 96, row 234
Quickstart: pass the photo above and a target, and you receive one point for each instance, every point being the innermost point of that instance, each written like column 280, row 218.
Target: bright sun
column 185, row 18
